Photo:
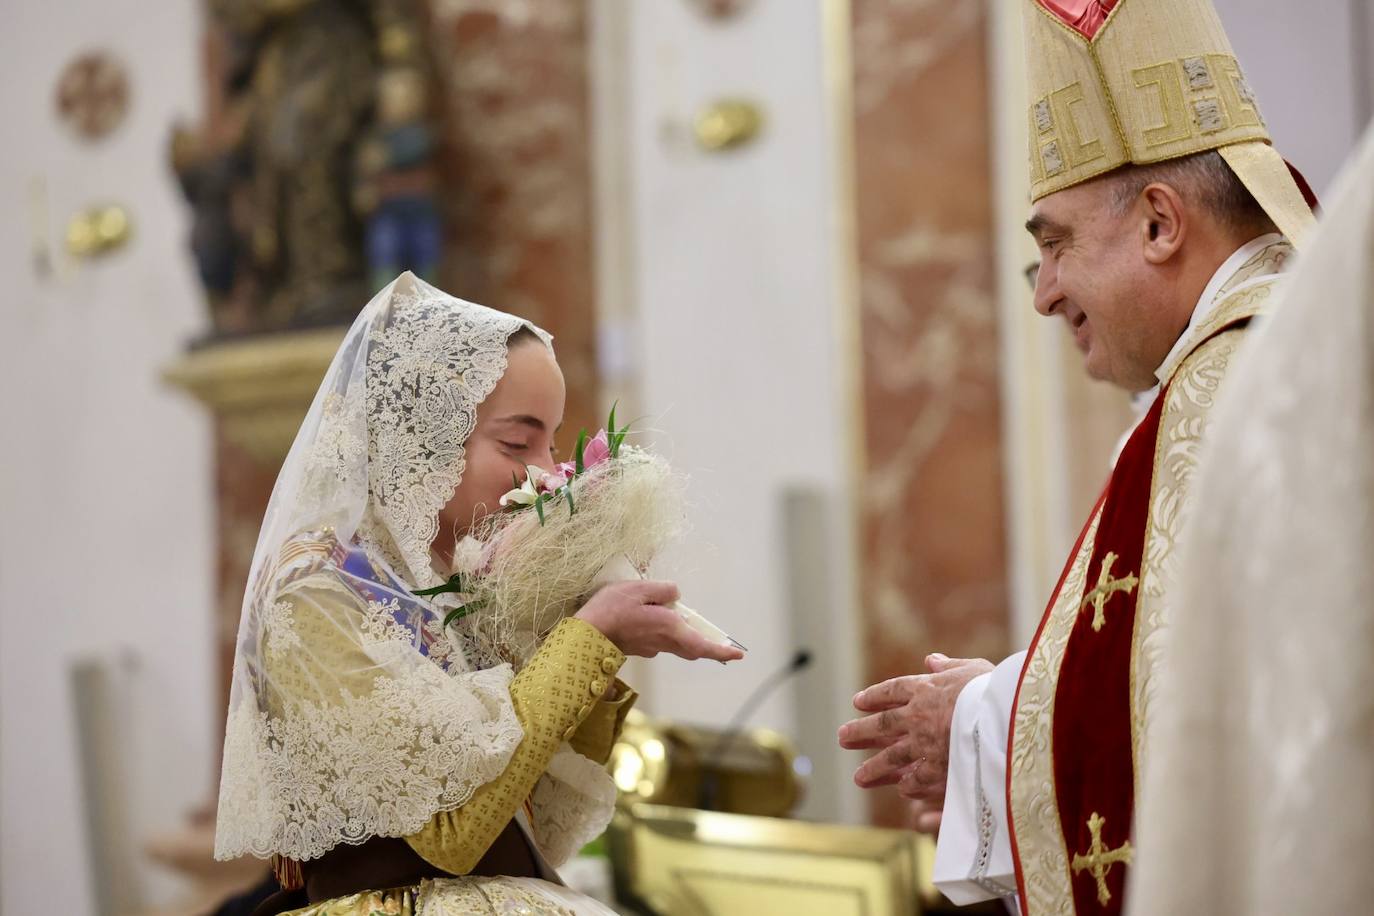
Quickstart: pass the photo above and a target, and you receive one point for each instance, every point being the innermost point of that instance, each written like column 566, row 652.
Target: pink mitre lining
column 1083, row 16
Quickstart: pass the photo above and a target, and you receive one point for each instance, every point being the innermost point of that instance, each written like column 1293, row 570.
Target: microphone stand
column 707, row 797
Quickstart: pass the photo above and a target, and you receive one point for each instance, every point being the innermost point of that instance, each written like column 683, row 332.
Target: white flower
column 527, row 494
column 468, row 555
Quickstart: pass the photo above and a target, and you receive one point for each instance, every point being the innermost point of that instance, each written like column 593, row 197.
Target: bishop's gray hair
column 1202, row 179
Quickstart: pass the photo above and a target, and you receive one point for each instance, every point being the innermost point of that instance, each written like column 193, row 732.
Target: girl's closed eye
column 515, row 446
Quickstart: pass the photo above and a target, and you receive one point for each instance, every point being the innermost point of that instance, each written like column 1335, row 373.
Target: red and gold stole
column 1091, row 741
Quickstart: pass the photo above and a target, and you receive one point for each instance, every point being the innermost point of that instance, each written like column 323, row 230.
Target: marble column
column 933, row 557
column 518, row 172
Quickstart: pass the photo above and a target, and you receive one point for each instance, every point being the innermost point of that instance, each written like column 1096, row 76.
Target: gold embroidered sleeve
column 597, row 735
column 327, row 620
column 556, row 692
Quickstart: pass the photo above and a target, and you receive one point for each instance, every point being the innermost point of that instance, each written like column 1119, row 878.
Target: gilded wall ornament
column 92, row 95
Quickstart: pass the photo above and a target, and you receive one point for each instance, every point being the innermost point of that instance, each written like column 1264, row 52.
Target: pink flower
column 597, row 450
column 560, row 475
column 594, row 452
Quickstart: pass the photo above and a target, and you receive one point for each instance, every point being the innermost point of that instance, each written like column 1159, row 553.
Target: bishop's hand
column 908, row 724
column 925, row 816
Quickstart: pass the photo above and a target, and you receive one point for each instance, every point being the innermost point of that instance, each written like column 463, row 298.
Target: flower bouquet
column 562, row 534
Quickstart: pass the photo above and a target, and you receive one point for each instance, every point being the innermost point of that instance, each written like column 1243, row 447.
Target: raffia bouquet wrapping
column 539, row 563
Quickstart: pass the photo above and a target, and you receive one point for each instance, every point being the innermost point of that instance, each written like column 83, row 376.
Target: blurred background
column 783, row 233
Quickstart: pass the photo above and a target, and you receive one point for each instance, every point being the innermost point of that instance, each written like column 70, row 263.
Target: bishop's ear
column 1163, row 222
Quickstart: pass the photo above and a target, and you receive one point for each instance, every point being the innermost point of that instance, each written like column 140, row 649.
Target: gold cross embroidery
column 1099, row 859
column 1106, row 587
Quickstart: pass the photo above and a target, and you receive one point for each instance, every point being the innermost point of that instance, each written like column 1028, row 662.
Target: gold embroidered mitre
column 1113, row 82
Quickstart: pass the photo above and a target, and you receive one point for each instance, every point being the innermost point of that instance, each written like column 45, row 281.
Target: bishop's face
column 1094, row 275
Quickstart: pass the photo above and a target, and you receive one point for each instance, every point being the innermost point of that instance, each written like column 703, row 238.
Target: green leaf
column 539, row 507
column 454, row 584
column 615, row 437
column 459, row 613
column 578, row 452
column 572, row 505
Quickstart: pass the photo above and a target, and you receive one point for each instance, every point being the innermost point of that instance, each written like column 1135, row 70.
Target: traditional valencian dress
column 1046, row 750
column 386, row 763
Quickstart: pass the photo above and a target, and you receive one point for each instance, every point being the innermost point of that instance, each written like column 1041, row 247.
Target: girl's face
column 515, row 428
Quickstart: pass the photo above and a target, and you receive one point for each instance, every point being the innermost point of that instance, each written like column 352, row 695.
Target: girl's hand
column 634, row 617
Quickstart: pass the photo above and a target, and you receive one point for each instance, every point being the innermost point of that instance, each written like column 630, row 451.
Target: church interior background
column 786, row 234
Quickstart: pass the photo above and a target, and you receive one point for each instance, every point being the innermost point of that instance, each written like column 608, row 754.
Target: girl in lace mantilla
column 385, row 762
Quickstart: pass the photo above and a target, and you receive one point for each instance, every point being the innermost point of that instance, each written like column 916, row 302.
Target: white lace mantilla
column 301, row 782
column 452, row 358
column 352, row 713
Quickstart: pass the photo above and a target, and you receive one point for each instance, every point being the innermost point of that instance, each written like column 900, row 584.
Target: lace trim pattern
column 463, row 897
column 318, row 774
column 428, row 369
column 987, row 829
column 497, row 896
column 572, row 805
column 278, row 625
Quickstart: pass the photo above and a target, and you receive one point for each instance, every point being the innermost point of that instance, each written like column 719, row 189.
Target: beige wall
column 723, row 296
column 1310, row 67
column 105, row 551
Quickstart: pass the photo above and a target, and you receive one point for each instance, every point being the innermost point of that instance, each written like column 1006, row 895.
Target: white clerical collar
column 1209, row 299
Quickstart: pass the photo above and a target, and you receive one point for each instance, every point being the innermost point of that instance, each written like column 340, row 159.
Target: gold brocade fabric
column 454, row 896
column 395, row 902
column 556, row 696
column 598, row 733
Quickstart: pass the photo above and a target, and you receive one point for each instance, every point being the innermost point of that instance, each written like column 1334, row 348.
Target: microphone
column 710, row 781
